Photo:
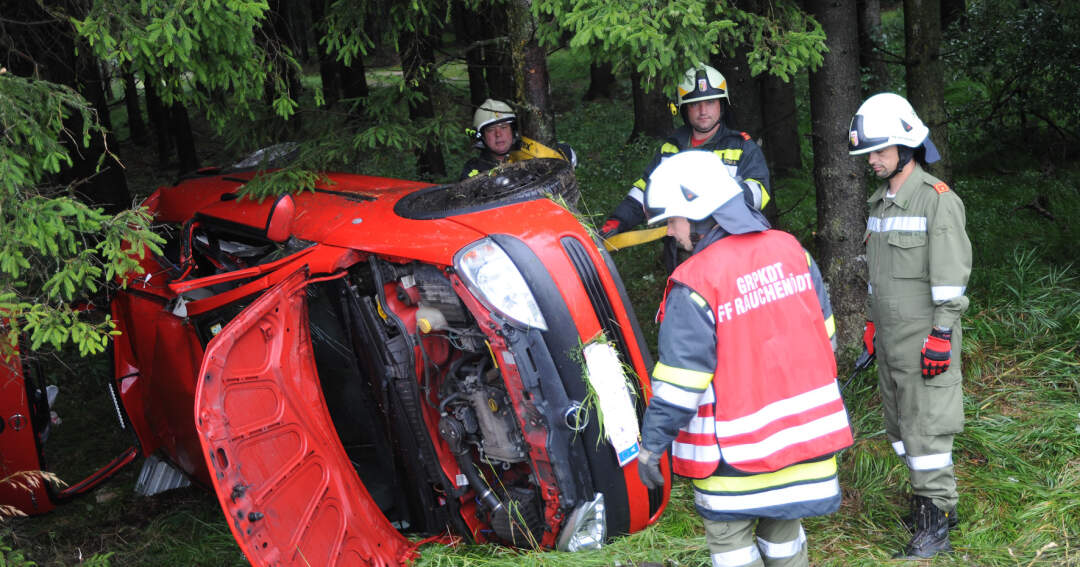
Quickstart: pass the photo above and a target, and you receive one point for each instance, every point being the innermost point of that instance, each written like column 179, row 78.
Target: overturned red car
column 371, row 360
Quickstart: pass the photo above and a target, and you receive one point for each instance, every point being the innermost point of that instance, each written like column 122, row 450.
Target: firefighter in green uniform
column 708, row 124
column 498, row 142
column 919, row 259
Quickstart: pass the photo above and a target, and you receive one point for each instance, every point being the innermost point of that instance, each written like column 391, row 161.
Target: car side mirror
column 279, row 222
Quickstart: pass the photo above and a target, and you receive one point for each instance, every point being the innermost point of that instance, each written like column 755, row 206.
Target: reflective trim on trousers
column 782, row 549
column 778, row 497
column 898, row 446
column 736, row 557
column 946, row 292
column 929, row 462
column 786, row 438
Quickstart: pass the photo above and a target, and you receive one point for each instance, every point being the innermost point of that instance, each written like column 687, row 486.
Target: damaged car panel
column 383, row 357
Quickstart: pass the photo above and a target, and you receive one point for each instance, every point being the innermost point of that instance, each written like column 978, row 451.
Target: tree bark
column 841, row 194
column 780, row 131
column 180, row 125
column 925, row 74
column 870, row 42
column 601, row 81
column 328, row 64
column 159, row 119
column 136, row 124
column 744, row 91
column 417, row 62
column 530, row 74
column 652, row 116
column 469, row 24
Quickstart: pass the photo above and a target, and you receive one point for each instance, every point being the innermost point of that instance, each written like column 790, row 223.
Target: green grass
column 1018, row 460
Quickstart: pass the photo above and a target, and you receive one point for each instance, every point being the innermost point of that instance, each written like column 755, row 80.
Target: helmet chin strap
column 905, row 154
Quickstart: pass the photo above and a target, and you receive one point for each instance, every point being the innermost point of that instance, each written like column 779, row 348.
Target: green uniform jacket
column 919, row 260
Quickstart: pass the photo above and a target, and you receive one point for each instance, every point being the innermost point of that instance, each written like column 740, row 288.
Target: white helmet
column 491, row 112
column 887, row 119
column 701, row 83
column 691, row 184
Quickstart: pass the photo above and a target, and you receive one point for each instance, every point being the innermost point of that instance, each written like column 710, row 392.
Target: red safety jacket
column 774, row 398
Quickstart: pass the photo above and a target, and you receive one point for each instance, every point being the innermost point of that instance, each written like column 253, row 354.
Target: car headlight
column 586, row 528
column 493, row 277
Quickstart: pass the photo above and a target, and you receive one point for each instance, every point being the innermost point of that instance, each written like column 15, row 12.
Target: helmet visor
column 859, row 142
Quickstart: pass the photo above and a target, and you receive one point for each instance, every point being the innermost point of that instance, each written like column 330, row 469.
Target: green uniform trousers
column 780, row 543
column 921, row 415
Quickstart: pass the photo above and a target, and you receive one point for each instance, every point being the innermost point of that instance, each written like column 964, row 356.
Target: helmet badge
column 853, row 135
column 702, row 84
column 907, row 127
column 688, row 194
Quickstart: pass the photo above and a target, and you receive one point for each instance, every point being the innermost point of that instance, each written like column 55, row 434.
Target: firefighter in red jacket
column 745, row 391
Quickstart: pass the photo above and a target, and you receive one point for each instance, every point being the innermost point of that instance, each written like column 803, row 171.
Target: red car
column 375, row 358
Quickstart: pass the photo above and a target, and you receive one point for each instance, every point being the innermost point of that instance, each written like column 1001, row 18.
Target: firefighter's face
column 499, row 137
column 884, row 161
column 679, row 229
column 704, row 115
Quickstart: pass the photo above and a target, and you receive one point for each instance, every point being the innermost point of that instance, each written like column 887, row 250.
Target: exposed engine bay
column 419, row 361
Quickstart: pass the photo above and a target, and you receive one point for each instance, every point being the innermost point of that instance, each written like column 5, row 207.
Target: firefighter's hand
column 648, row 468
column 936, row 352
column 868, row 338
column 611, row 227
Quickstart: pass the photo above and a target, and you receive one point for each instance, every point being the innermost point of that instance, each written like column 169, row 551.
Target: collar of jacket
column 682, row 134
column 903, row 195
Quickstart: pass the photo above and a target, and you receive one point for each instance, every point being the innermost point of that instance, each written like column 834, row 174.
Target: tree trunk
column 870, row 42
column 652, row 117
column 180, row 126
column 744, row 91
column 841, row 195
column 160, row 121
column 601, row 81
column 925, row 74
column 496, row 56
column 530, row 74
column 417, row 62
column 328, row 64
column 780, row 131
column 469, row 24
column 136, row 124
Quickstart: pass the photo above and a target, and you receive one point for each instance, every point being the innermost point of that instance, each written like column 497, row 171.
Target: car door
column 284, row 481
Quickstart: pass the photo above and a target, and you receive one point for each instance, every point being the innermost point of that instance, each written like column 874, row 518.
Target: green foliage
column 54, row 248
column 660, row 40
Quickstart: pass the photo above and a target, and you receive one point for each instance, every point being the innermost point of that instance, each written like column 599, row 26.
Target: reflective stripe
column 778, row 410
column 669, row 148
column 701, row 425
column 637, row 195
column 830, row 326
column 698, row 453
column 474, row 173
column 782, row 549
column 675, row 395
column 929, row 462
column 899, row 448
column 869, row 288
column 816, row 470
column 729, row 155
column 786, row 438
column 704, row 305
column 689, row 379
column 736, row 557
column 909, row 224
column 779, row 497
column 946, row 292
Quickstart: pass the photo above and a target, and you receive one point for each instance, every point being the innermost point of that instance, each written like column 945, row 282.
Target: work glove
column 648, row 468
column 936, row 352
column 868, row 337
column 611, row 227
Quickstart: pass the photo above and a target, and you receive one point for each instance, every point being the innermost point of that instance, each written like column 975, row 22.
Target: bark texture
column 925, row 74
column 652, row 115
column 870, row 56
column 530, row 74
column 841, row 194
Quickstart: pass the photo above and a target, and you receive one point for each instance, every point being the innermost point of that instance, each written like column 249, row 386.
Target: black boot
column 931, row 531
column 909, row 520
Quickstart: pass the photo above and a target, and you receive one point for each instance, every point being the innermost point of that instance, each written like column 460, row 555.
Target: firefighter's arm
column 753, row 172
column 631, row 211
column 685, row 368
column 823, row 298
column 950, row 260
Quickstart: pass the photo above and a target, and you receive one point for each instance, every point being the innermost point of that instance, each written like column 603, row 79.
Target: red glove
column 936, row 353
column 868, row 337
column 611, row 227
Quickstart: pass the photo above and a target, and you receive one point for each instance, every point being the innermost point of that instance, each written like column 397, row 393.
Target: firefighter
column 745, row 391
column 498, row 141
column 708, row 124
column 919, row 259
